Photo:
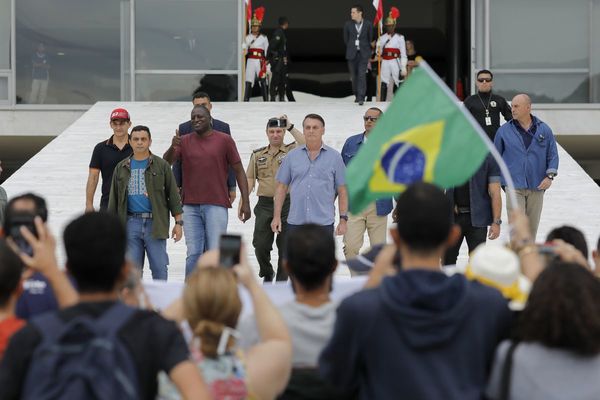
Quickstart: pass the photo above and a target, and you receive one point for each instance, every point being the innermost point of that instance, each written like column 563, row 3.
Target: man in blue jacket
column 418, row 334
column 374, row 218
column 528, row 148
column 203, row 99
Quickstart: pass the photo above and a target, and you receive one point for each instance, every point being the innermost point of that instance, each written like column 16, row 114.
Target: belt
column 463, row 210
column 140, row 215
column 253, row 53
column 390, row 54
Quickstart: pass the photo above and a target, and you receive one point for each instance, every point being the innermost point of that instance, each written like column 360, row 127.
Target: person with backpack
column 98, row 348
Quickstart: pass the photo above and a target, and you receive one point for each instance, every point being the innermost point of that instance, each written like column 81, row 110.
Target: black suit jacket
column 184, row 129
column 364, row 39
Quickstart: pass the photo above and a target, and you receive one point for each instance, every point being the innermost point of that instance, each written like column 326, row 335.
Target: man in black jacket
column 358, row 38
column 486, row 106
column 278, row 58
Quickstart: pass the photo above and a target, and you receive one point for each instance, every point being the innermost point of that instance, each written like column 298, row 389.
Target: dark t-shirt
column 155, row 345
column 105, row 157
column 205, row 162
column 496, row 105
column 462, row 195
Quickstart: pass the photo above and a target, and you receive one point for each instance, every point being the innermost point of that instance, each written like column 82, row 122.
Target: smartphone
column 17, row 220
column 229, row 250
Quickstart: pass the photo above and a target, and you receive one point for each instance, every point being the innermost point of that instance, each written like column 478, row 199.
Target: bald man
column 528, row 148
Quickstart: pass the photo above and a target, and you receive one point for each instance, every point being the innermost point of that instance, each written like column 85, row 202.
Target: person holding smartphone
column 262, row 167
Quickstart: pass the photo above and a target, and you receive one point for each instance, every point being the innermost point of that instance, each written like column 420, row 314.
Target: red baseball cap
column 119, row 113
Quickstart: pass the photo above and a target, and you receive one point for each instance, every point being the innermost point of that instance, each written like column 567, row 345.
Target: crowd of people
column 517, row 322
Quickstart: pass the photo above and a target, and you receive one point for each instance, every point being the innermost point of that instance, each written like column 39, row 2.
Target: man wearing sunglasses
column 374, row 218
column 486, row 106
column 263, row 166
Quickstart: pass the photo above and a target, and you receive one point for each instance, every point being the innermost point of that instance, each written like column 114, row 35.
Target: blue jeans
column 140, row 241
column 203, row 224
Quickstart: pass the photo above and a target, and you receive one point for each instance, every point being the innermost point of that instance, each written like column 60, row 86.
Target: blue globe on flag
column 404, row 163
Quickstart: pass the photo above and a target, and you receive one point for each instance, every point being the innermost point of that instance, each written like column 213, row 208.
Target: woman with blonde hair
column 212, row 306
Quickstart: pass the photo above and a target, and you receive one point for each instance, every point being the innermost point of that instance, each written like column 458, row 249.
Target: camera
column 15, row 220
column 277, row 123
column 229, row 250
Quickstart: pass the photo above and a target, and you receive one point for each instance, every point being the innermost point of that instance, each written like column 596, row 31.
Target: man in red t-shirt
column 11, row 268
column 205, row 159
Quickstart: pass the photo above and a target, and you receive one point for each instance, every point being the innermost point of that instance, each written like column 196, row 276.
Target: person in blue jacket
column 418, row 334
column 373, row 219
column 529, row 150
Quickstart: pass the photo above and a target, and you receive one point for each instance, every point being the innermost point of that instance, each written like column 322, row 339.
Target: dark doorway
column 440, row 30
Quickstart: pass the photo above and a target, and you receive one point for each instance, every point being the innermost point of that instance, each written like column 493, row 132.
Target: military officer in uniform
column 392, row 48
column 263, row 166
column 255, row 47
column 278, row 59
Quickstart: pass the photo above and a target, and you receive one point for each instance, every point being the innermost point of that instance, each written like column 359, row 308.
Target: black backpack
column 82, row 358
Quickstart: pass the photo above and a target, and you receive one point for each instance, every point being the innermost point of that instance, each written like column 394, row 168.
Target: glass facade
column 78, row 52
column 546, row 48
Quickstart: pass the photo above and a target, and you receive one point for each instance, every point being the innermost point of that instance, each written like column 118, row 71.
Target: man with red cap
column 105, row 157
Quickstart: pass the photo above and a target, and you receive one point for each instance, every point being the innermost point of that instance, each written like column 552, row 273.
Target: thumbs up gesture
column 176, row 141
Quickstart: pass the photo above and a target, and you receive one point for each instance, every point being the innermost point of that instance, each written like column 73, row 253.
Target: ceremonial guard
column 392, row 49
column 263, row 166
column 255, row 47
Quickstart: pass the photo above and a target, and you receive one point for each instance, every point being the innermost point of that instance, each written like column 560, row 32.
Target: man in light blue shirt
column 314, row 173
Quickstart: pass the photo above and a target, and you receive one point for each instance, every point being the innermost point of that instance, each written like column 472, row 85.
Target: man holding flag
column 392, row 49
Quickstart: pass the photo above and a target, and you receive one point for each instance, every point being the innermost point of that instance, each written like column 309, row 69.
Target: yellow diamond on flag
column 408, row 157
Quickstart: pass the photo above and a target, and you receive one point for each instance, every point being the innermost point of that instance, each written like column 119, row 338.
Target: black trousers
column 263, row 237
column 358, row 74
column 474, row 235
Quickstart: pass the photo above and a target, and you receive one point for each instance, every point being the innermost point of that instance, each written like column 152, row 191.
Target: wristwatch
column 344, row 217
column 551, row 176
column 179, row 222
column 498, row 221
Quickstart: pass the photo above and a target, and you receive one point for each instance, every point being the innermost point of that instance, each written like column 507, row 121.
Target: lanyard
column 487, row 108
column 358, row 29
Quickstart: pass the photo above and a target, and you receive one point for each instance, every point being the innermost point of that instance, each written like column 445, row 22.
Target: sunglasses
column 372, row 119
column 482, row 80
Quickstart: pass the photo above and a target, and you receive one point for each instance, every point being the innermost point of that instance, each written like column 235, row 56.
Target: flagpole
column 378, row 63
column 510, row 185
column 244, row 62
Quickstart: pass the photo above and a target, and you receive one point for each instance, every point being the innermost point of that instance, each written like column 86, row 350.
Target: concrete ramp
column 59, row 171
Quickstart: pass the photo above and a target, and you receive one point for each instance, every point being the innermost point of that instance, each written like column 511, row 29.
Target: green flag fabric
column 424, row 135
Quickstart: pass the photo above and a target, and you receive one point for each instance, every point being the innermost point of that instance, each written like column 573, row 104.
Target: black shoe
column 356, row 100
column 268, row 279
column 360, row 103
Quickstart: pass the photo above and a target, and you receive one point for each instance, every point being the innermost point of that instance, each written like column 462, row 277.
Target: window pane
column 544, row 88
column 66, row 54
column 186, row 34
column 164, row 87
column 4, row 34
column 3, row 88
column 539, row 33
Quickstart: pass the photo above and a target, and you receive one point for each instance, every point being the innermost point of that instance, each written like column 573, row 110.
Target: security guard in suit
column 263, row 166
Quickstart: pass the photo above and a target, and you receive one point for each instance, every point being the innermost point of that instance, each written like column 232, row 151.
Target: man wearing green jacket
column 143, row 192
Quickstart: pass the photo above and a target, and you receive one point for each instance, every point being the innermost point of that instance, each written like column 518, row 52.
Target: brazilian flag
column 424, row 135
